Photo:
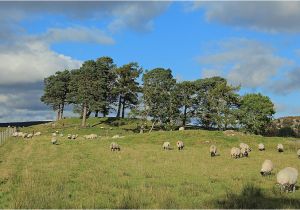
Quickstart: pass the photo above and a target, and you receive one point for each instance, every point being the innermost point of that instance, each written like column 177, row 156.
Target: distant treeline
column 99, row 87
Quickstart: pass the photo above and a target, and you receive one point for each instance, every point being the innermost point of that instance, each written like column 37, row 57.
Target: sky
column 252, row 44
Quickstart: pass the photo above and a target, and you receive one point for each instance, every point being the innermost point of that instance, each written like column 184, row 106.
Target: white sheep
column 180, row 145
column 166, row 145
column 235, row 152
column 261, row 147
column 280, row 148
column 53, row 140
column 24, row 135
column 91, row 136
column 244, row 152
column 74, row 136
column 69, row 136
column 181, row 129
column 266, row 168
column 20, row 134
column 30, row 135
column 37, row 134
column 287, row 179
column 213, row 150
column 54, row 134
column 246, row 146
column 15, row 134
column 114, row 146
column 298, row 153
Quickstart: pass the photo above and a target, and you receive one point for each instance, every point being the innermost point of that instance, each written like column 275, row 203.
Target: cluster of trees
column 101, row 87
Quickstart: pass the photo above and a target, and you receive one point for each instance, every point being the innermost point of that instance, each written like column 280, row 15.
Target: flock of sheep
column 286, row 178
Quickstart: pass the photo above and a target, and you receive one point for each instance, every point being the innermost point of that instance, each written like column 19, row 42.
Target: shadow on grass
column 252, row 197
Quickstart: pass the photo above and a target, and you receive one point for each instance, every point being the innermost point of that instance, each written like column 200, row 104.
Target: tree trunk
column 58, row 113
column 123, row 108
column 83, row 124
column 119, row 107
column 96, row 113
column 62, row 107
column 152, row 126
column 184, row 116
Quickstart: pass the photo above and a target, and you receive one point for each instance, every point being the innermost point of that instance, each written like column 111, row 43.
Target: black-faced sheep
column 235, row 152
column 166, row 145
column 213, row 150
column 261, row 147
column 180, row 145
column 266, row 168
column 115, row 147
column 280, row 148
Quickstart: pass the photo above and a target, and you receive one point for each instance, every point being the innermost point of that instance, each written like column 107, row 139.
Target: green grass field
column 86, row 174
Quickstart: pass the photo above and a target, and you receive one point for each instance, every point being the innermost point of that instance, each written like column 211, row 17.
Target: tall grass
column 86, row 174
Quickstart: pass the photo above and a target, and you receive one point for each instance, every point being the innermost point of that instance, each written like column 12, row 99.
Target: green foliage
column 56, row 89
column 255, row 113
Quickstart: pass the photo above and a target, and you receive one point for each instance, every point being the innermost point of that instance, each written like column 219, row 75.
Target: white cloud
column 31, row 61
column 249, row 63
column 270, row 16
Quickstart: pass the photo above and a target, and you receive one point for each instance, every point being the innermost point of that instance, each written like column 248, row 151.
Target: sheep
column 181, row 129
column 116, row 136
column 266, row 168
column 20, row 134
column 246, row 146
column 280, row 148
column 287, row 179
column 37, row 134
column 166, row 145
column 298, row 153
column 261, row 147
column 30, row 135
column 74, row 136
column 213, row 150
column 61, row 135
column 53, row 140
column 91, row 136
column 114, row 146
column 15, row 134
column 69, row 136
column 24, row 135
column 54, row 135
column 180, row 145
column 235, row 152
column 244, row 152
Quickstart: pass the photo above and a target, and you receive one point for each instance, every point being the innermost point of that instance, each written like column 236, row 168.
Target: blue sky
column 254, row 44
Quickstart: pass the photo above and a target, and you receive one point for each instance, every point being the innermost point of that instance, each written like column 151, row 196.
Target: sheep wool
column 166, row 145
column 235, row 152
column 53, row 140
column 213, row 150
column 287, row 179
column 115, row 147
column 180, row 145
column 280, row 148
column 261, row 147
column 244, row 152
column 266, row 168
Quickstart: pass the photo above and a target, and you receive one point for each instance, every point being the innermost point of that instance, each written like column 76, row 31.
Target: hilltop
column 86, row 174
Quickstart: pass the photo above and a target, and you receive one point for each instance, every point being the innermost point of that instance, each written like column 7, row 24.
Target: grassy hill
column 86, row 174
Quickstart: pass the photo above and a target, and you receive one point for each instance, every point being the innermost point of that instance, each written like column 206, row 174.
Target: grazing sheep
column 244, row 152
column 24, row 135
column 116, row 136
column 114, row 146
column 261, row 147
column 91, row 136
column 74, row 136
column 235, row 152
column 20, row 134
column 166, row 146
column 287, row 179
column 298, row 153
column 30, row 135
column 37, row 134
column 180, row 145
column 246, row 146
column 53, row 140
column 181, row 129
column 213, row 150
column 280, row 148
column 69, row 136
column 54, row 134
column 15, row 134
column 266, row 168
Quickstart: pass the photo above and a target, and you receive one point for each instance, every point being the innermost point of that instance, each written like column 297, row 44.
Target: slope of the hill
column 86, row 174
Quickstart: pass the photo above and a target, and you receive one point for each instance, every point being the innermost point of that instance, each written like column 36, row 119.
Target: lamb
column 246, row 146
column 266, row 168
column 114, row 146
column 298, row 153
column 261, row 147
column 180, row 145
column 213, row 150
column 37, row 134
column 53, row 140
column 280, row 148
column 287, row 179
column 166, row 145
column 244, row 152
column 235, row 152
